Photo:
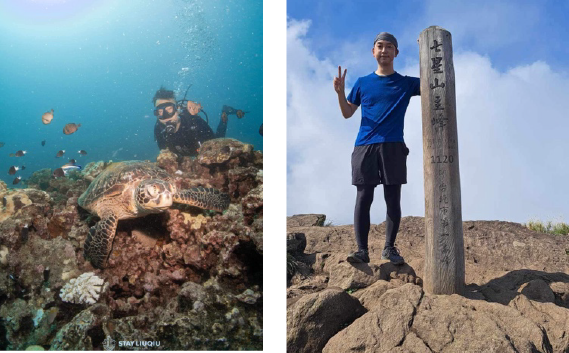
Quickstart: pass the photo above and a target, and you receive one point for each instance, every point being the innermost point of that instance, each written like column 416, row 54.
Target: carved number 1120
column 446, row 159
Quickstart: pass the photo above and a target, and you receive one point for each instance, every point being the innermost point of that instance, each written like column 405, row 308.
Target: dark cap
column 386, row 36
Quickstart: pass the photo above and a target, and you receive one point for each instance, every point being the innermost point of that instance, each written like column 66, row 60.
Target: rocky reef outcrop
column 517, row 286
column 187, row 278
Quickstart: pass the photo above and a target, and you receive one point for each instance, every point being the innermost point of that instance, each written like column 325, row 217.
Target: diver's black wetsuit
column 193, row 132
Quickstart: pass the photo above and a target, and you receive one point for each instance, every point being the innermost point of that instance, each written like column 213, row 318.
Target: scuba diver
column 179, row 127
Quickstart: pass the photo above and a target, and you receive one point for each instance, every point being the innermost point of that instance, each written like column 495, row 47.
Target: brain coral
column 84, row 289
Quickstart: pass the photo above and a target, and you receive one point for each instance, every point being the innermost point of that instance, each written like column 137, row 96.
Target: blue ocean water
column 98, row 63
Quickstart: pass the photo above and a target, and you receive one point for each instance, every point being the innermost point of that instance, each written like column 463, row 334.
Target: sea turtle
column 133, row 189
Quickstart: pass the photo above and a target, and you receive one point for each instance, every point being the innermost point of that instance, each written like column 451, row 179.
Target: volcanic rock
column 382, row 328
column 306, row 220
column 315, row 318
column 517, row 291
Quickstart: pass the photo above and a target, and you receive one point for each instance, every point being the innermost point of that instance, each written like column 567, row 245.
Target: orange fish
column 47, row 117
column 71, row 128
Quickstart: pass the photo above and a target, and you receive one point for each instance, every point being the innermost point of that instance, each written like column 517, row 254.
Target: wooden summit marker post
column 444, row 260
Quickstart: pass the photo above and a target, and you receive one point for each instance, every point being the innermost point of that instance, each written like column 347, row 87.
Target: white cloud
column 512, row 139
column 483, row 25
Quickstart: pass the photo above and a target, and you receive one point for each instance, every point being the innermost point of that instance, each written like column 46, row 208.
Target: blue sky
column 511, row 64
column 511, row 32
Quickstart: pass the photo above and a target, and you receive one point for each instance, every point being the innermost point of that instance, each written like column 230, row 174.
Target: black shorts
column 380, row 163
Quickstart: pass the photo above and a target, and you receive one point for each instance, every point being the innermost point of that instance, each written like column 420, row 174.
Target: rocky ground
column 187, row 278
column 516, row 297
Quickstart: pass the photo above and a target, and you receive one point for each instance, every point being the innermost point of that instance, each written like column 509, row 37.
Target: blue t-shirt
column 384, row 100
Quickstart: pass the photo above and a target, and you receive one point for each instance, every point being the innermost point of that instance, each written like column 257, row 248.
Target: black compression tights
column 392, row 194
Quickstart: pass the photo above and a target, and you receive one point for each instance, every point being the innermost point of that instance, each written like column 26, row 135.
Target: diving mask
column 165, row 110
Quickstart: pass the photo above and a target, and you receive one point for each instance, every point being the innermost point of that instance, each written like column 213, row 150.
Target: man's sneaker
column 358, row 257
column 392, row 254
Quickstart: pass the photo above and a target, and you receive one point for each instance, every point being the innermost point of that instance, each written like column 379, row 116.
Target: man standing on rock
column 380, row 153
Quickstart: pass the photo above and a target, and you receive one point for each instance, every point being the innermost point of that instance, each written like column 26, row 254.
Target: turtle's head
column 154, row 195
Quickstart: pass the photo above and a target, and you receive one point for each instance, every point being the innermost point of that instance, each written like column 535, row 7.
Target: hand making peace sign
column 339, row 82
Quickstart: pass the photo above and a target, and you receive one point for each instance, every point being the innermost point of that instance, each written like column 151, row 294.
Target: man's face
column 384, row 52
column 169, row 109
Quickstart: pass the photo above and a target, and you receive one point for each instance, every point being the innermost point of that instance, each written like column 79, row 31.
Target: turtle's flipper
column 210, row 199
column 100, row 241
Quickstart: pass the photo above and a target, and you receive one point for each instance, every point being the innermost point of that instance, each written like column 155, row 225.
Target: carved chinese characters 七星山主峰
column 439, row 122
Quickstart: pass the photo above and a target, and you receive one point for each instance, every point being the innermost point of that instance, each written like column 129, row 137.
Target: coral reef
column 82, row 330
column 167, row 160
column 40, row 179
column 188, row 322
column 93, row 169
column 85, row 289
column 187, row 278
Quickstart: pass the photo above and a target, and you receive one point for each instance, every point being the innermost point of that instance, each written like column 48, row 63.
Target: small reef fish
column 60, row 153
column 47, row 117
column 14, row 169
column 43, row 143
column 71, row 128
column 4, row 201
column 69, row 168
column 72, row 161
column 2, row 144
column 58, row 173
column 24, row 233
column 82, row 152
column 20, row 153
column 17, row 180
column 261, row 130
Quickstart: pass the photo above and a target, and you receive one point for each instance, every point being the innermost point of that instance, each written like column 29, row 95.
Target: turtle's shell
column 114, row 189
